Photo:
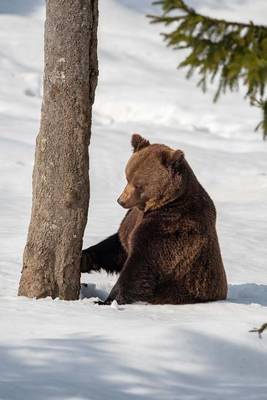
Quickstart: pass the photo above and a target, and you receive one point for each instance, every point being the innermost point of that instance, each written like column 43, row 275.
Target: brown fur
column 167, row 242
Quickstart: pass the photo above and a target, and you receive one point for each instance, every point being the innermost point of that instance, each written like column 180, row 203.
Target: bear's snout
column 129, row 197
column 121, row 202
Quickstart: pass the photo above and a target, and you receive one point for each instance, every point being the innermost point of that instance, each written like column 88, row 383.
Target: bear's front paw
column 103, row 303
column 87, row 262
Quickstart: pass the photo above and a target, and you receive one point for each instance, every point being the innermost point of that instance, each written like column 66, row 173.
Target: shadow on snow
column 90, row 368
column 20, row 7
column 247, row 293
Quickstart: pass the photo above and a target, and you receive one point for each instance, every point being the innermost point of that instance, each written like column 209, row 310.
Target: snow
column 79, row 350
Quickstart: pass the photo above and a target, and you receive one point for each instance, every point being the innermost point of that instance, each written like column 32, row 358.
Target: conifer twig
column 234, row 52
column 259, row 330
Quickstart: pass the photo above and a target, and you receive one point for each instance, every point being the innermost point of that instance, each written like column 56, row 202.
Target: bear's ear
column 172, row 159
column 138, row 142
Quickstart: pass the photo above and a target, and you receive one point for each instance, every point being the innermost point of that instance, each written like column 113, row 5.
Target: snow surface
column 77, row 350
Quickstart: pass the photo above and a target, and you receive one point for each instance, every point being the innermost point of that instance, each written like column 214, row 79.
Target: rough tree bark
column 60, row 176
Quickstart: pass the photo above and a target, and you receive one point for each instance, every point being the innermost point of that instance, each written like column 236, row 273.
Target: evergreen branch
column 259, row 330
column 169, row 19
column 233, row 52
column 171, row 5
column 263, row 123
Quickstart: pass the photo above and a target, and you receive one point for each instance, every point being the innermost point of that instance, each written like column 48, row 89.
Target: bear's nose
column 121, row 203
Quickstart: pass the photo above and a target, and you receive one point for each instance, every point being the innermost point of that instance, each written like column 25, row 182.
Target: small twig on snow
column 259, row 330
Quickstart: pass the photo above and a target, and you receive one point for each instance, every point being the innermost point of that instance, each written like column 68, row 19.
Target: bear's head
column 155, row 175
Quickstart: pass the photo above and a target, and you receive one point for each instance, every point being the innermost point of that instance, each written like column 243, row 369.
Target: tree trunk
column 60, row 175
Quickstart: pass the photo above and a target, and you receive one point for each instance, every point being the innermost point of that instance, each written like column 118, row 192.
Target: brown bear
column 166, row 249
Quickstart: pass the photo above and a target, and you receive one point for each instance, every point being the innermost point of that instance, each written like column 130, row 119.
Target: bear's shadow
column 247, row 293
column 89, row 290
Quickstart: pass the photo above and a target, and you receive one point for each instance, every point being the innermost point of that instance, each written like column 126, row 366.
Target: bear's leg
column 137, row 282
column 172, row 292
column 108, row 255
